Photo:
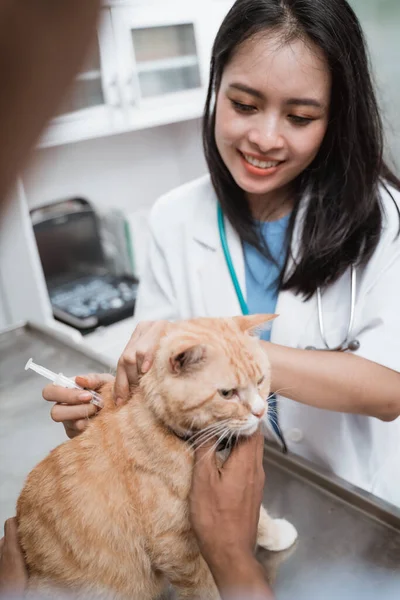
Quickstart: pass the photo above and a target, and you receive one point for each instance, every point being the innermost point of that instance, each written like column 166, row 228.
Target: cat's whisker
column 216, row 427
column 220, row 434
column 283, row 390
column 273, row 413
column 204, row 429
column 210, row 428
column 232, row 435
column 207, row 435
column 274, row 421
column 224, row 421
column 215, row 446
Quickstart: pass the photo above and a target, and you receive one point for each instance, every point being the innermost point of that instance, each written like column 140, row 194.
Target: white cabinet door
column 159, row 49
column 149, row 66
column 93, row 105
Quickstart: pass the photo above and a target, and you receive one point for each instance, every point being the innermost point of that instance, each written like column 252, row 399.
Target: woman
column 293, row 141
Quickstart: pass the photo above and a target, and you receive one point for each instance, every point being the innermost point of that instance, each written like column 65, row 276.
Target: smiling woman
column 293, row 141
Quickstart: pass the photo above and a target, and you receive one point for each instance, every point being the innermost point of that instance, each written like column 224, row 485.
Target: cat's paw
column 280, row 535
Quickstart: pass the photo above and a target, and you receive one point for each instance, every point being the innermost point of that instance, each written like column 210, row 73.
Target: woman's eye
column 300, row 120
column 261, row 381
column 243, row 108
column 227, row 394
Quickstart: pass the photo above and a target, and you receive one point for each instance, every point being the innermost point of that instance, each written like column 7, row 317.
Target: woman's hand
column 224, row 510
column 137, row 357
column 13, row 573
column 72, row 407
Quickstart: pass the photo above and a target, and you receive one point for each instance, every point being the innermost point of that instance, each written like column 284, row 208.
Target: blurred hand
column 72, row 407
column 13, row 573
column 137, row 357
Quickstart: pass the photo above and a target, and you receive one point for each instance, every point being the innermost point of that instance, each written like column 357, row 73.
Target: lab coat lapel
column 296, row 322
column 216, row 287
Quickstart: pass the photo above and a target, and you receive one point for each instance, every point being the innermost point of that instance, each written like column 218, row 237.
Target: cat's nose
column 258, row 407
column 258, row 413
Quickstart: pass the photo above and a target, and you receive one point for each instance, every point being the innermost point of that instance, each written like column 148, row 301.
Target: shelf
column 164, row 64
column 89, row 76
column 154, row 114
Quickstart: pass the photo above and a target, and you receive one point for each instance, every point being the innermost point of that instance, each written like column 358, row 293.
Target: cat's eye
column 261, row 381
column 227, row 394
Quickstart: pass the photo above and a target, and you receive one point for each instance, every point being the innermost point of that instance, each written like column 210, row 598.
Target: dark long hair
column 343, row 219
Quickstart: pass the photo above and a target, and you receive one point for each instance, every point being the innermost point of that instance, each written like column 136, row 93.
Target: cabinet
column 149, row 66
column 92, row 107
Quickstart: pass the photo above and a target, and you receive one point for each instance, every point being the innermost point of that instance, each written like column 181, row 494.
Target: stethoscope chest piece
column 354, row 345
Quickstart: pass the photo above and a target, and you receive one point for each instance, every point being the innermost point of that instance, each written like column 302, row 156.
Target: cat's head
column 210, row 372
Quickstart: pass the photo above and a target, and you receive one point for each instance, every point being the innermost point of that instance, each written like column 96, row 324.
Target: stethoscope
column 347, row 343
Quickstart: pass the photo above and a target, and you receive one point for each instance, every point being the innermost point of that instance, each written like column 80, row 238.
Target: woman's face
column 272, row 112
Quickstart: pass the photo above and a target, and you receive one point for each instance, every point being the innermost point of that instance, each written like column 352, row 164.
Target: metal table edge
column 364, row 501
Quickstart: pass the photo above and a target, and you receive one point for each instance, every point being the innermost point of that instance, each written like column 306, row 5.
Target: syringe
column 63, row 381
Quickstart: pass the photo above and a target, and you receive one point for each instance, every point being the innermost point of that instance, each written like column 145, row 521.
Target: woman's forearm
column 335, row 381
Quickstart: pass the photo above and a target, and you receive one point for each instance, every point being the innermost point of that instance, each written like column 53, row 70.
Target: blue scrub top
column 262, row 275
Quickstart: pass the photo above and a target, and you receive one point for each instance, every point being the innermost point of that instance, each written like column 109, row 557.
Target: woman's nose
column 266, row 136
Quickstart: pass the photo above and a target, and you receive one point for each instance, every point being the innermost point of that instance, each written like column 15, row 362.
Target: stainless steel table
column 349, row 541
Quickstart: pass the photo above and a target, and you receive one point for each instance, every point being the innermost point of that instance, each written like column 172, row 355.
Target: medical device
column 63, row 381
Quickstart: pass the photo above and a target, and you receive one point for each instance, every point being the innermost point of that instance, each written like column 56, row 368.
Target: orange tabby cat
column 105, row 515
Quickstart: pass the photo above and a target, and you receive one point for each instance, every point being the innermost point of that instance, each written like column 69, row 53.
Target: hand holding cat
column 137, row 357
column 73, row 408
column 13, row 573
column 224, row 508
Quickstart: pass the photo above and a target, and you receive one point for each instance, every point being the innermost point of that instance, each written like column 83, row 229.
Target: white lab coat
column 186, row 276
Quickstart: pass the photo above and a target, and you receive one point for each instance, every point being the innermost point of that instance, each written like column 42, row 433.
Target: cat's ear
column 251, row 323
column 187, row 359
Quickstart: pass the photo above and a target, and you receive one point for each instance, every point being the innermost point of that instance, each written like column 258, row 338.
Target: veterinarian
column 299, row 215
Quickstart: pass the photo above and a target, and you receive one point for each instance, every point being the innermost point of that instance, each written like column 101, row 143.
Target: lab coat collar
column 206, row 230
column 218, row 294
column 205, row 226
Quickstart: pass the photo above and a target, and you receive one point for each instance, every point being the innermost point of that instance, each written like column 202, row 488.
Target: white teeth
column 261, row 164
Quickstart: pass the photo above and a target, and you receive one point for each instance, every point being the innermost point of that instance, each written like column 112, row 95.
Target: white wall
column 127, row 171
column 4, row 319
column 380, row 20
